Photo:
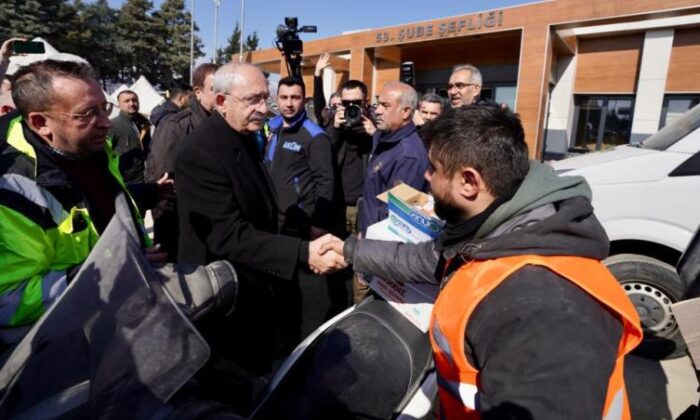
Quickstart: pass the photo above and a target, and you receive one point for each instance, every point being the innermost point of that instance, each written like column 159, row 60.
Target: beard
column 446, row 209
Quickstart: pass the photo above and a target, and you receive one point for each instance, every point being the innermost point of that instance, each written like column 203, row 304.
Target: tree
column 49, row 19
column 96, row 38
column 173, row 24
column 234, row 45
column 138, row 47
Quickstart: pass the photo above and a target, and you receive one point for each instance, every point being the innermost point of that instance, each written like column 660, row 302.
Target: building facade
column 583, row 75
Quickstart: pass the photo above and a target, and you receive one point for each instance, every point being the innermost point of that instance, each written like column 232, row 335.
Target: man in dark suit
column 227, row 210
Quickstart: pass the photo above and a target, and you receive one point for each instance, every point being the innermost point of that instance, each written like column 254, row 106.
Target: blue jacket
column 300, row 164
column 396, row 157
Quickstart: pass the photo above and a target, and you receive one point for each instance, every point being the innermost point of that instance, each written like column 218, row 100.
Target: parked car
column 647, row 196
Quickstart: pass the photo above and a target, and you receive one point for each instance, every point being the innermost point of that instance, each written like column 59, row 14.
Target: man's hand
column 322, row 63
column 417, row 118
column 339, row 117
column 330, row 261
column 332, row 245
column 6, row 48
column 368, row 125
column 155, row 255
column 166, row 187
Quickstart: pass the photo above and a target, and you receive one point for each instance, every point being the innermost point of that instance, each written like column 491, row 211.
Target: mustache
column 258, row 116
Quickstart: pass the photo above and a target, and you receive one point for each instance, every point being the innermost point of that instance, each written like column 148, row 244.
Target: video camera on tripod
column 290, row 45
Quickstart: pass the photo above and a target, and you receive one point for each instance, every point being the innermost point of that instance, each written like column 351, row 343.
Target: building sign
column 460, row 26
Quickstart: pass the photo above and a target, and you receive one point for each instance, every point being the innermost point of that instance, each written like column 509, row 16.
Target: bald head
column 241, row 96
column 406, row 94
column 397, row 101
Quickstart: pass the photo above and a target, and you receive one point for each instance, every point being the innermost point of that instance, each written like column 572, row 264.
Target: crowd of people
column 527, row 321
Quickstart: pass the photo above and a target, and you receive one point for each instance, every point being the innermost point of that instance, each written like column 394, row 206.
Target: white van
column 647, row 196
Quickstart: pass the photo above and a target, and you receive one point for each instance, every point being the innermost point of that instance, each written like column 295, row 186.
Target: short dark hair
column 32, row 85
column 201, row 72
column 354, row 84
column 487, row 138
column 292, row 81
column 177, row 91
column 126, row 91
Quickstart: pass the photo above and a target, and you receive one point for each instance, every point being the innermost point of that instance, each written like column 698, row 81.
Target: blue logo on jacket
column 292, row 145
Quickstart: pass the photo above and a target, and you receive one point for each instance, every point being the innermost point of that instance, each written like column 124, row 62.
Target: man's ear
column 470, row 182
column 407, row 113
column 38, row 123
column 4, row 109
column 197, row 92
column 220, row 103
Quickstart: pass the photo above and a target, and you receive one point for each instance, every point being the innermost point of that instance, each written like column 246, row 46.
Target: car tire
column 652, row 286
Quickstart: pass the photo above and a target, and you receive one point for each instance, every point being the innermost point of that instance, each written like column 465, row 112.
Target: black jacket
column 163, row 110
column 126, row 134
column 227, row 210
column 352, row 150
column 543, row 346
column 300, row 163
column 171, row 131
column 168, row 136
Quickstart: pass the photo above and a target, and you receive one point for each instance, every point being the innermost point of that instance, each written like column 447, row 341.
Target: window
column 675, row 106
column 506, row 95
column 602, row 122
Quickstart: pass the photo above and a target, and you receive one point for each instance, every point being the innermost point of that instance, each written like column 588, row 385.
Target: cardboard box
column 410, row 220
column 411, row 214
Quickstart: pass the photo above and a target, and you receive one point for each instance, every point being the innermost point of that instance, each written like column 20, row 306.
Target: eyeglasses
column 459, row 85
column 89, row 115
column 252, row 100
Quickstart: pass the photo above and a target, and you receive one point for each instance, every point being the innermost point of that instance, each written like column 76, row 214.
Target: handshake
column 326, row 255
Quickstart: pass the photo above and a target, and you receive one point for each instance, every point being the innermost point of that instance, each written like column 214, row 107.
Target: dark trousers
column 166, row 231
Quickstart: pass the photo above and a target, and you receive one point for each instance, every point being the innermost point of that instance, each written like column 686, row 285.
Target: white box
column 406, row 224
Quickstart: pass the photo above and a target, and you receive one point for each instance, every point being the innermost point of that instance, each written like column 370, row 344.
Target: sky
column 331, row 17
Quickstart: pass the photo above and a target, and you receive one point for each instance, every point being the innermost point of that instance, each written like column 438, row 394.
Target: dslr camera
column 354, row 110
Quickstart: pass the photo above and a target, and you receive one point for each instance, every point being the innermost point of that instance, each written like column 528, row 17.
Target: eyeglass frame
column 460, row 85
column 248, row 102
column 90, row 115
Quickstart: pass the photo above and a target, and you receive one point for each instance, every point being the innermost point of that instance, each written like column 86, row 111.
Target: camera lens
column 353, row 115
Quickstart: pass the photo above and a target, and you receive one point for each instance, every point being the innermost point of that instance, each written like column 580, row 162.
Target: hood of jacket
column 548, row 215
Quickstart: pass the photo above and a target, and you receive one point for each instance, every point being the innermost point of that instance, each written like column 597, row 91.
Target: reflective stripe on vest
column 52, row 285
column 49, row 238
column 34, row 193
column 458, row 381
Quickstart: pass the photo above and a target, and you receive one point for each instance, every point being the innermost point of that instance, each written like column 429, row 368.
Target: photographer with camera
column 351, row 136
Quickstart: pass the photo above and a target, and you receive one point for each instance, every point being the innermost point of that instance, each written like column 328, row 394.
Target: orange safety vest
column 458, row 381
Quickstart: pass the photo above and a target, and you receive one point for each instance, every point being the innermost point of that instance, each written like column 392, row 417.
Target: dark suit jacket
column 132, row 150
column 226, row 206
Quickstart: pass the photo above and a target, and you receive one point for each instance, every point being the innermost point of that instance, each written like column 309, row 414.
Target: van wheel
column 652, row 286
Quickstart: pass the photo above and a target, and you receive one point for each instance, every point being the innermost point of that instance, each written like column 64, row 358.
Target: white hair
column 475, row 74
column 229, row 75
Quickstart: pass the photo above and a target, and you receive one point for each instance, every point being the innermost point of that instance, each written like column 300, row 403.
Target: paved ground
column 660, row 390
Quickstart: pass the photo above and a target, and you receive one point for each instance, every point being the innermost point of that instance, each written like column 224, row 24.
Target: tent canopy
column 149, row 97
column 17, row 61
